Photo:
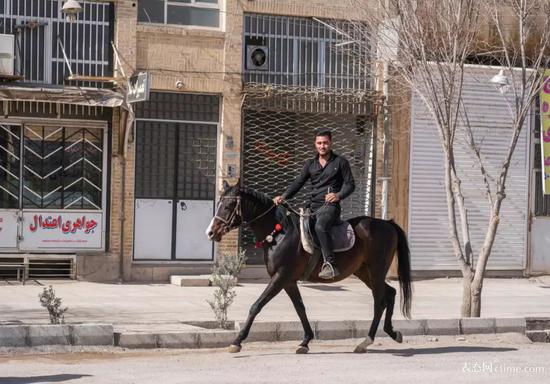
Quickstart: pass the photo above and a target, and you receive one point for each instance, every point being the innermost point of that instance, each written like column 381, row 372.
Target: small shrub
column 224, row 276
column 52, row 303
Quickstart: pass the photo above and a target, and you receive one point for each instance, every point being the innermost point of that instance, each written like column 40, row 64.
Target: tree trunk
column 471, row 296
column 466, row 309
column 477, row 286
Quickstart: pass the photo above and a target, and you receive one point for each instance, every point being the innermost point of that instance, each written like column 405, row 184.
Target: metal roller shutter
column 431, row 248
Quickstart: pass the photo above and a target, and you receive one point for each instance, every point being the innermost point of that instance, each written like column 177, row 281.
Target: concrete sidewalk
column 168, row 316
column 162, row 306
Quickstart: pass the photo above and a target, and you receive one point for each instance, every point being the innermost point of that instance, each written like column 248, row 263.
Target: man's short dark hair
column 324, row 132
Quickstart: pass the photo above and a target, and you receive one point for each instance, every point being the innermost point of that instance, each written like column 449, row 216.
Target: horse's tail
column 404, row 270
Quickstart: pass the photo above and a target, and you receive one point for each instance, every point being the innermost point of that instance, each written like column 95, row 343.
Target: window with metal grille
column 37, row 26
column 203, row 13
column 306, row 52
column 62, row 167
column 51, row 167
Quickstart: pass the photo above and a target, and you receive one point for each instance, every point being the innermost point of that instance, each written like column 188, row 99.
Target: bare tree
column 433, row 41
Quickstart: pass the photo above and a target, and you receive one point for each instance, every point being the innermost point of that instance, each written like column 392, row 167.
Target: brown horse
column 369, row 259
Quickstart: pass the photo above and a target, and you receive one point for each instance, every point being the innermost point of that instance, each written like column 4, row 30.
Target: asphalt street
column 505, row 358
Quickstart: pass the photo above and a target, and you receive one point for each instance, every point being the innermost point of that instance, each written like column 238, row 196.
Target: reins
column 238, row 211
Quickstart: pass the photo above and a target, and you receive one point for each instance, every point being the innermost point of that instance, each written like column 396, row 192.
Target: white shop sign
column 62, row 230
column 8, row 229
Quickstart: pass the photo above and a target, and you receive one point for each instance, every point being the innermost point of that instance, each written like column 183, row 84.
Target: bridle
column 237, row 213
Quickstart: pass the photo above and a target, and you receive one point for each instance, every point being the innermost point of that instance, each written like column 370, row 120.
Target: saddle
column 343, row 239
column 343, row 236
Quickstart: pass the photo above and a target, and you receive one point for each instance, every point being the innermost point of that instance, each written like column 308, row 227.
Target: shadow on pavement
column 439, row 350
column 396, row 352
column 40, row 379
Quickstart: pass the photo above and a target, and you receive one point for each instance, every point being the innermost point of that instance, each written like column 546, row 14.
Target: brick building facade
column 187, row 60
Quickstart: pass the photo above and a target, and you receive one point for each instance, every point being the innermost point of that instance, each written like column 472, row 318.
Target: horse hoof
column 302, row 350
column 398, row 337
column 234, row 348
column 360, row 349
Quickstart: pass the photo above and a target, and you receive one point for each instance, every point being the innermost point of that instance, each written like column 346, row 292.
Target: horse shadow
column 408, row 352
column 440, row 350
column 41, row 379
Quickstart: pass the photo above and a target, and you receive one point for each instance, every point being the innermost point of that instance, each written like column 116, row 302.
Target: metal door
column 175, row 165
column 193, row 217
column 196, row 175
column 153, row 233
column 155, row 183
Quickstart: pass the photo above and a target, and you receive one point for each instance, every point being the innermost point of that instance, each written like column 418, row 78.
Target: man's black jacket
column 336, row 175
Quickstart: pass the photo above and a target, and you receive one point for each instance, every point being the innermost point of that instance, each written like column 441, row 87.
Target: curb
column 537, row 329
column 65, row 334
column 323, row 330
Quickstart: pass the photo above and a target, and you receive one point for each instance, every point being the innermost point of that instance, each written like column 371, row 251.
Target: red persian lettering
column 37, row 223
column 281, row 158
column 66, row 227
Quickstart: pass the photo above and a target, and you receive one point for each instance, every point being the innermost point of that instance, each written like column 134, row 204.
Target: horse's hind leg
column 273, row 288
column 294, row 294
column 390, row 302
column 379, row 294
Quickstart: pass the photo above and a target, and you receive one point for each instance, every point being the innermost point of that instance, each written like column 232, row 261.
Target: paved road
column 507, row 358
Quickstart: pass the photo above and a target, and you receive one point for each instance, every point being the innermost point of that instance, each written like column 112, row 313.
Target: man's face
column 323, row 145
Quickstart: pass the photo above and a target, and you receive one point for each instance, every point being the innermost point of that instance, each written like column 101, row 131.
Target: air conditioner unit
column 6, row 54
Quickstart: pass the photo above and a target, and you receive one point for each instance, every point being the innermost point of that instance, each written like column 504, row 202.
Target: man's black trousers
column 327, row 217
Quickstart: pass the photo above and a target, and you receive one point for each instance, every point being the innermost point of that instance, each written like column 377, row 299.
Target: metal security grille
column 175, row 161
column 62, row 168
column 155, row 159
column 279, row 126
column 10, row 160
column 37, row 24
column 307, row 52
column 176, row 146
column 55, row 110
column 180, row 106
column 197, row 161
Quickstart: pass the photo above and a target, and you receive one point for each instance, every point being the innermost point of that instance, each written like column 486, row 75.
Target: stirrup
column 332, row 272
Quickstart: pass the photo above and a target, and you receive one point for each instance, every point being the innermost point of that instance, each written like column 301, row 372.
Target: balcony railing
column 39, row 24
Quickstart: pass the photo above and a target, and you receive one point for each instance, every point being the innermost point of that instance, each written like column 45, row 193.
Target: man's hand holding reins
column 332, row 198
column 278, row 200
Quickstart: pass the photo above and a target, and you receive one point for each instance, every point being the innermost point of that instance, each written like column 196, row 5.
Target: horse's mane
column 288, row 221
column 260, row 196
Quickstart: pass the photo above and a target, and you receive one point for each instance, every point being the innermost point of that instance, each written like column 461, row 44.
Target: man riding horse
column 331, row 181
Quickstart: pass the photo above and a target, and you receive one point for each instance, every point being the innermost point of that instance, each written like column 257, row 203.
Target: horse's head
column 228, row 214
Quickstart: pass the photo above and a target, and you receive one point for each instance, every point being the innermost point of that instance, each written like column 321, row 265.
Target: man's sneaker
column 328, row 272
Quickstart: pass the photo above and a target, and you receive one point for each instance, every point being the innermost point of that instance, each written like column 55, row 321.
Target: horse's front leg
column 294, row 294
column 275, row 286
